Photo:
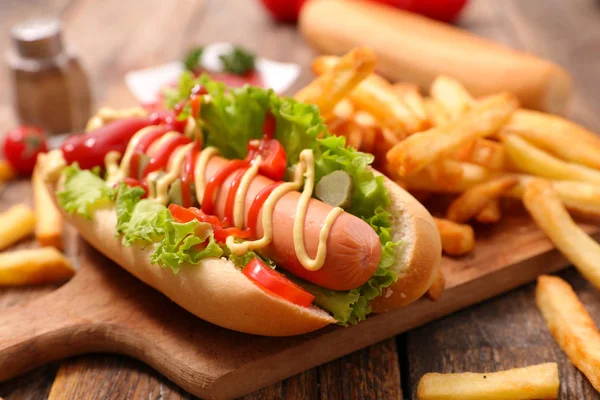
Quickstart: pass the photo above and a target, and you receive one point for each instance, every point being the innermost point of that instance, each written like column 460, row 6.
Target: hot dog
column 204, row 208
column 353, row 248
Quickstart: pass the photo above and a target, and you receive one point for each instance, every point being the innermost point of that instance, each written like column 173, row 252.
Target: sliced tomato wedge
column 274, row 158
column 182, row 214
column 275, row 283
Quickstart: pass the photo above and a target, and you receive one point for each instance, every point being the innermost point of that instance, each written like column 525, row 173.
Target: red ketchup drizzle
column 215, row 181
column 188, row 176
column 142, row 146
column 233, row 187
column 161, row 158
column 257, row 204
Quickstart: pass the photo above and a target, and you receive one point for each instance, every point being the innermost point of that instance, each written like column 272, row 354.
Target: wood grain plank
column 502, row 333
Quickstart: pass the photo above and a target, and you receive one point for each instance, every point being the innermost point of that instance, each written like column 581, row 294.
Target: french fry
column 343, row 110
column 550, row 215
column 437, row 288
column 563, row 138
column 34, row 266
column 464, row 152
column 571, row 325
column 581, row 197
column 445, row 173
column 455, row 99
column 488, row 153
column 471, row 176
column 375, row 95
column 457, row 239
column 528, row 383
column 331, row 87
column 15, row 224
column 421, row 149
column 473, row 201
column 6, row 171
column 490, row 213
column 528, row 158
column 368, row 125
column 436, row 114
column 48, row 221
column 411, row 96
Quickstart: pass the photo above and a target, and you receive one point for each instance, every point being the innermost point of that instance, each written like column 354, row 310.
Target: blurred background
column 113, row 37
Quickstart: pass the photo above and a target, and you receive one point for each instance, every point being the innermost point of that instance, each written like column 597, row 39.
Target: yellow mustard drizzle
column 240, row 195
column 307, row 164
column 200, row 171
column 126, row 161
column 111, row 163
column 173, row 171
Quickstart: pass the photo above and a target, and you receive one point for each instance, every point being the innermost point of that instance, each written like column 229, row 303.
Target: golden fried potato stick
column 446, row 173
column 410, row 94
column 490, row 213
column 528, row 383
column 488, row 153
column 472, row 175
column 530, row 159
column 419, row 150
column 48, row 221
column 551, row 216
column 437, row 287
column 436, row 114
column 331, row 87
column 375, row 95
column 34, row 266
column 16, row 223
column 571, row 325
column 556, row 135
column 6, row 171
column 457, row 239
column 474, row 200
column 580, row 197
column 452, row 96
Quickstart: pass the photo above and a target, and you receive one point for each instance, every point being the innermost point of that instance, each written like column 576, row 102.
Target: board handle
column 39, row 332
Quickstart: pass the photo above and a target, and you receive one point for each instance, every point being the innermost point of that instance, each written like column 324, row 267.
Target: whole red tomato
column 284, row 10
column 442, row 10
column 22, row 146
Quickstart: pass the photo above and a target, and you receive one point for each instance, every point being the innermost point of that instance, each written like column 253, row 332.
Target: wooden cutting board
column 104, row 309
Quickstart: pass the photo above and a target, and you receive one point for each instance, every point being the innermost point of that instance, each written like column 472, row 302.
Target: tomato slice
column 274, row 158
column 182, row 214
column 275, row 283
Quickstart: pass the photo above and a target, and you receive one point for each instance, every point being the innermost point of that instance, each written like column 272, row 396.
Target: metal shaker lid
column 38, row 38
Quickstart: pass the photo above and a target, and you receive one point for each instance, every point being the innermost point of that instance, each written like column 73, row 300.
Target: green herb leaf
column 239, row 61
column 193, row 59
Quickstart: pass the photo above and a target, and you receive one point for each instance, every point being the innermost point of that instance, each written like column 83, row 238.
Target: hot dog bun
column 216, row 291
column 416, row 49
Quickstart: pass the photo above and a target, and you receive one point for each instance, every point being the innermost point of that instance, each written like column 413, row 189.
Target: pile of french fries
column 477, row 151
column 450, row 144
column 45, row 264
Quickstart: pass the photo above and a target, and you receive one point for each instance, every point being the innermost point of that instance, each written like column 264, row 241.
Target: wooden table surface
column 115, row 36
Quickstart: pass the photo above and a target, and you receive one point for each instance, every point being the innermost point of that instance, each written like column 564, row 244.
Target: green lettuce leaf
column 127, row 198
column 147, row 223
column 179, row 245
column 231, row 118
column 243, row 260
column 84, row 192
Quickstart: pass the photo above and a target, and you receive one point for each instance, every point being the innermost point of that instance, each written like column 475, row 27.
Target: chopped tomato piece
column 274, row 158
column 276, row 283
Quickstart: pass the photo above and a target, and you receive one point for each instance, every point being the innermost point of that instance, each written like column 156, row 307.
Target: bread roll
column 416, row 49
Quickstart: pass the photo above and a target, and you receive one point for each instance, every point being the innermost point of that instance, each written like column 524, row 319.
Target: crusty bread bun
column 416, row 49
column 419, row 255
column 216, row 291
